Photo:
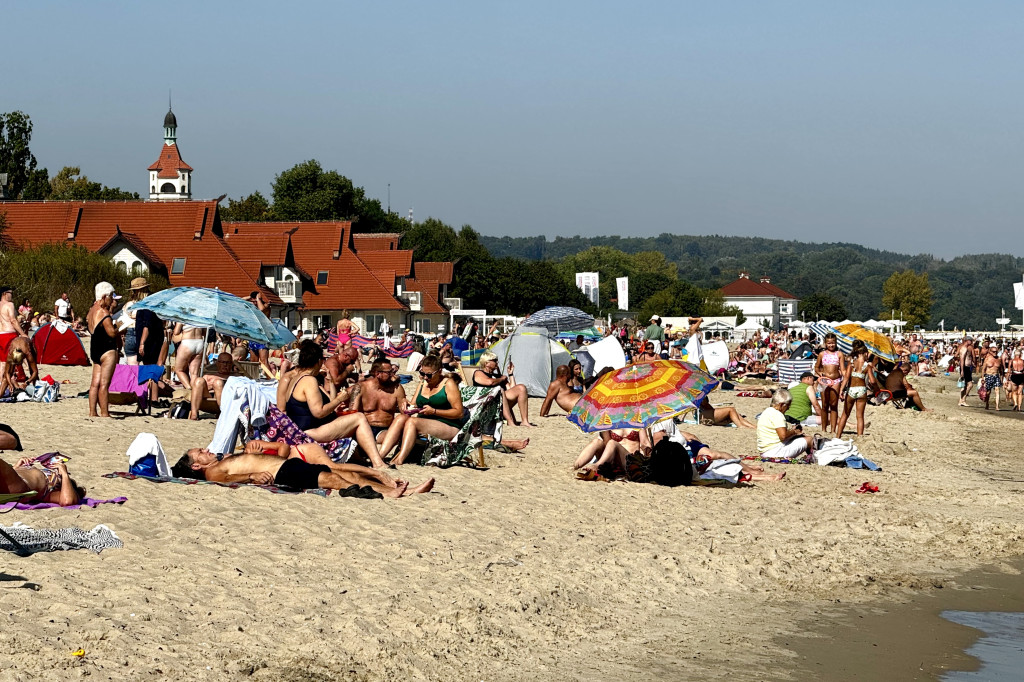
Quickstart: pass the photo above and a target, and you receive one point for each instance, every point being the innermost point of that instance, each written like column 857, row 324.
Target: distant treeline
column 969, row 291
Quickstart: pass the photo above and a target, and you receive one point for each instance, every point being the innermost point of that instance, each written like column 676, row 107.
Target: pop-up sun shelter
column 535, row 357
column 57, row 344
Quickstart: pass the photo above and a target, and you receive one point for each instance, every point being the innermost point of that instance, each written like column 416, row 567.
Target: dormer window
column 178, row 266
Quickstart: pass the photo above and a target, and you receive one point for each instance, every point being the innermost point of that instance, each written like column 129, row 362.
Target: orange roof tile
column 169, row 162
column 438, row 272
column 431, row 293
column 325, row 246
column 744, row 286
column 179, row 229
column 376, row 241
column 399, row 261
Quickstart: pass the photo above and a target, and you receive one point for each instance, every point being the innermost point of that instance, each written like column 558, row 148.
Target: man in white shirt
column 62, row 308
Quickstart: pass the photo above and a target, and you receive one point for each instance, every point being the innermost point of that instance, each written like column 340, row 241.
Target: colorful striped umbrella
column 877, row 343
column 637, row 396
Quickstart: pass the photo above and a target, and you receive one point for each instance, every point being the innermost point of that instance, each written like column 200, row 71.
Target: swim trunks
column 257, row 346
column 377, row 430
column 300, row 475
column 991, row 381
column 5, row 343
column 968, row 374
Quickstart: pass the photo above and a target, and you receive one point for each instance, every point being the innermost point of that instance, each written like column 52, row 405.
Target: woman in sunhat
column 138, row 290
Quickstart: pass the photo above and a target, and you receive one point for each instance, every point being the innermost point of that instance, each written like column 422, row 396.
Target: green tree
column 38, row 186
column 254, row 208
column 908, row 293
column 307, row 192
column 822, row 306
column 69, row 185
column 16, row 158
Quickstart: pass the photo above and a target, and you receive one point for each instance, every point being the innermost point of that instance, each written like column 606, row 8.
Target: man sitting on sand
column 897, row 385
column 804, row 408
column 343, row 367
column 383, row 401
column 559, row 392
column 300, row 467
column 202, row 386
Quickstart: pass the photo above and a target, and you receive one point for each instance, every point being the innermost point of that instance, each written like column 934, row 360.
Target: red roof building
column 182, row 240
column 761, row 301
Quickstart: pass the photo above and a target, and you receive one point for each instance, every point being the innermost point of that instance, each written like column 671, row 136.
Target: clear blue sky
column 896, row 125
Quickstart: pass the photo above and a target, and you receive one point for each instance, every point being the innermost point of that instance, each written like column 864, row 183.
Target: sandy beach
column 517, row 572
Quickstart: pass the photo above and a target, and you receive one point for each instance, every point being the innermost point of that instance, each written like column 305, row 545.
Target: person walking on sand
column 966, row 356
column 990, row 378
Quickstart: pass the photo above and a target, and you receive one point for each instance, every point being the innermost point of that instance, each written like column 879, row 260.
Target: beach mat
column 87, row 502
column 32, row 540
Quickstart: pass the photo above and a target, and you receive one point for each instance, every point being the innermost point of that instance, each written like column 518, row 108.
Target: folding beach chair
column 19, row 548
column 484, row 406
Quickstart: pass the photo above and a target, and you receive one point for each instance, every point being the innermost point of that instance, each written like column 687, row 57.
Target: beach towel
column 86, row 502
column 192, row 481
column 281, row 429
column 51, row 540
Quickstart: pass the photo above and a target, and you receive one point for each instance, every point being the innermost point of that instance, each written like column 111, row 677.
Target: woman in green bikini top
column 439, row 411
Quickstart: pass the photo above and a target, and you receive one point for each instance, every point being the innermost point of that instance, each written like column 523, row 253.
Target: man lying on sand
column 300, row 467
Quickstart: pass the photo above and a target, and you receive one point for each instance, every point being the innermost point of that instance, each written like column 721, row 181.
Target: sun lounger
column 484, row 405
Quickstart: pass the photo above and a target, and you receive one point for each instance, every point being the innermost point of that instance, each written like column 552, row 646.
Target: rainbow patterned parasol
column 877, row 343
column 637, row 396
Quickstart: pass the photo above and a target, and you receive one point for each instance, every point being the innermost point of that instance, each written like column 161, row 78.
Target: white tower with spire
column 170, row 178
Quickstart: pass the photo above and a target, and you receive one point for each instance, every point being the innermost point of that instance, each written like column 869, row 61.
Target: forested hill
column 968, row 290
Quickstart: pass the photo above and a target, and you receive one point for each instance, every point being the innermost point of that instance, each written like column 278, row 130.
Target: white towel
column 723, row 470
column 834, row 450
column 146, row 444
column 239, row 392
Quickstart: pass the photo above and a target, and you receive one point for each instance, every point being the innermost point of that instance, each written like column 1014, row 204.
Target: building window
column 122, row 266
column 152, row 189
column 136, row 268
column 422, row 325
column 322, row 321
column 178, row 266
column 167, row 187
column 321, row 278
column 373, row 323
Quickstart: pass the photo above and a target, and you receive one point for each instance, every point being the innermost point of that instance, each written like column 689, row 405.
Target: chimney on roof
column 766, row 279
column 744, row 275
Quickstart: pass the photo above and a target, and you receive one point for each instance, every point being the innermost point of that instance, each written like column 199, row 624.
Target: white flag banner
column 1018, row 295
column 588, row 283
column 622, row 285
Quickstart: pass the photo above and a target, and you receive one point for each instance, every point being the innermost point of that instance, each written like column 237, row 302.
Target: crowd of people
column 331, row 390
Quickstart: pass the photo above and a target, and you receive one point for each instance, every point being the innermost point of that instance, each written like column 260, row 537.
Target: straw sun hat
column 139, row 283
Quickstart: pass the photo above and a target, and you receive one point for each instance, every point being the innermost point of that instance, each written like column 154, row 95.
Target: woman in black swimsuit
column 104, row 347
column 301, row 398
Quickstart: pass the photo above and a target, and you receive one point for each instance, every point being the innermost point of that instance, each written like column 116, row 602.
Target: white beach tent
column 535, row 356
column 604, row 353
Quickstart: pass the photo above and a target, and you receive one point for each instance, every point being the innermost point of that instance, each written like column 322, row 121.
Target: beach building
column 170, row 178
column 761, row 302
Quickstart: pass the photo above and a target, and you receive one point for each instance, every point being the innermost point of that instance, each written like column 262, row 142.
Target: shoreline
column 905, row 637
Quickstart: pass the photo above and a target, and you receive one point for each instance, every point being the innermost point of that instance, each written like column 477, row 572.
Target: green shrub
column 43, row 273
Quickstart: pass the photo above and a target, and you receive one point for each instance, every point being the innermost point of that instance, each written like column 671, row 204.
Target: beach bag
column 960, row 383
column 146, row 457
column 983, row 391
column 179, row 410
column 42, row 392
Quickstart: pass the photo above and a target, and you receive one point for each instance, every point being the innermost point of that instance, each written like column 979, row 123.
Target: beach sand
column 513, row 573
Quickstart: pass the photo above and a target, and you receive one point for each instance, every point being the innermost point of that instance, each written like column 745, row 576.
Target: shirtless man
column 10, row 328
column 343, row 367
column 966, row 356
column 559, row 393
column 299, row 467
column 19, row 351
column 896, row 383
column 990, row 367
column 383, row 401
column 213, row 382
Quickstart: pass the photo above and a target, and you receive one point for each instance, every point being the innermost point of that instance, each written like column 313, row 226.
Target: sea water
column 1000, row 650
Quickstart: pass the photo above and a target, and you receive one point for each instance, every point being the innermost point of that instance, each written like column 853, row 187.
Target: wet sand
column 518, row 572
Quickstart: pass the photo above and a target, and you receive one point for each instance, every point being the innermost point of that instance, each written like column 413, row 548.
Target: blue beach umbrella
column 216, row 309
column 282, row 330
column 559, row 318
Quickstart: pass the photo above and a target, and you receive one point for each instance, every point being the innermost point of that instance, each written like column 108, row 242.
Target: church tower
column 169, row 176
